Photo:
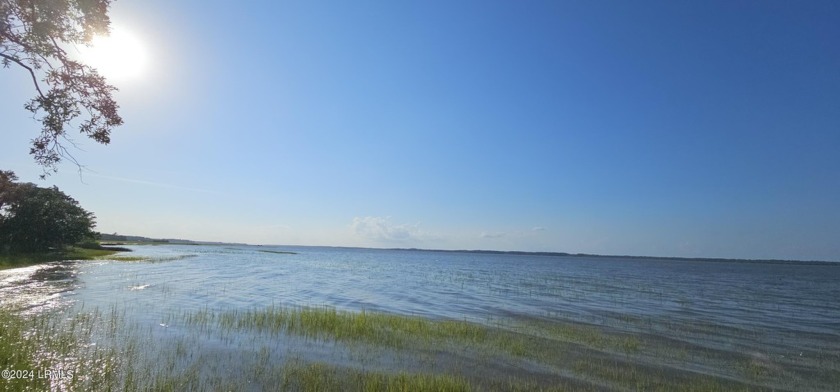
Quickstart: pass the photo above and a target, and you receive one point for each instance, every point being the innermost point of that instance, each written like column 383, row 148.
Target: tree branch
column 15, row 39
column 28, row 68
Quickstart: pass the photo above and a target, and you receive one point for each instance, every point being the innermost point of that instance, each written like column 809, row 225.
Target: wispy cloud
column 534, row 231
column 152, row 183
column 382, row 229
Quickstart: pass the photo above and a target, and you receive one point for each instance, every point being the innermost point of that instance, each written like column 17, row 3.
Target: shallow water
column 774, row 312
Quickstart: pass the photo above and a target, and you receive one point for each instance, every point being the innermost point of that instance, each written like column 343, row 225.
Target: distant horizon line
column 178, row 241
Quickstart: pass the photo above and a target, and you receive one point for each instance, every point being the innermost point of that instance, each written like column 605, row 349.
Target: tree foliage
column 8, row 188
column 35, row 36
column 35, row 219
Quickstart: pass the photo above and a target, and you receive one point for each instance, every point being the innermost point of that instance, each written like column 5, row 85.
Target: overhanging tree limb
column 28, row 68
column 34, row 35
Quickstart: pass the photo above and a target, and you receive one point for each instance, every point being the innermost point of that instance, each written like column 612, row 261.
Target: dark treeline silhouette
column 36, row 219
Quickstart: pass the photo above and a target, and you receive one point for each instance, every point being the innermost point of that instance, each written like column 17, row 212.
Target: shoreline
column 18, row 260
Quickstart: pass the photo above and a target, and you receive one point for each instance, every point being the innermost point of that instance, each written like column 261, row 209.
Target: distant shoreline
column 563, row 254
column 139, row 240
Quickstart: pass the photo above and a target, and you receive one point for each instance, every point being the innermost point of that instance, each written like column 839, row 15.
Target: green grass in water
column 46, row 342
column 128, row 258
column 587, row 351
column 124, row 360
column 323, row 377
column 73, row 253
column 370, row 327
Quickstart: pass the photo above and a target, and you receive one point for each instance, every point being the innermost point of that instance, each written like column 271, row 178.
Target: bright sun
column 118, row 56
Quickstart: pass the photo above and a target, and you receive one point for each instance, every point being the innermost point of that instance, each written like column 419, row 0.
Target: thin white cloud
column 151, row 183
column 382, row 229
column 512, row 234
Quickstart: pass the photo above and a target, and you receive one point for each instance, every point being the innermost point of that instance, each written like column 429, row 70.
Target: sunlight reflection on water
column 38, row 288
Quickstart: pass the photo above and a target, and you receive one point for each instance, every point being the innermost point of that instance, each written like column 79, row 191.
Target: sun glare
column 118, row 56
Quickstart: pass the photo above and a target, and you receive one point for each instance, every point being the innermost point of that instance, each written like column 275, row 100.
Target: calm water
column 772, row 310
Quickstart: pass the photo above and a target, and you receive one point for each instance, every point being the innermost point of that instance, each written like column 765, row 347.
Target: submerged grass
column 532, row 339
column 129, row 258
column 587, row 354
column 147, row 259
column 319, row 377
column 323, row 377
column 99, row 350
column 31, row 345
column 381, row 329
column 588, row 335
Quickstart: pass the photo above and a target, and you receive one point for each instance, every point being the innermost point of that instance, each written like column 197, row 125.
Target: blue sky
column 676, row 128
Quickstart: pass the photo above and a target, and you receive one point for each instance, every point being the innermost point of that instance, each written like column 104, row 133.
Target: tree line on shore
column 35, row 219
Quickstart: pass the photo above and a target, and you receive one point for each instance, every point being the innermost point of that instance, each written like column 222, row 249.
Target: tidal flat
column 212, row 318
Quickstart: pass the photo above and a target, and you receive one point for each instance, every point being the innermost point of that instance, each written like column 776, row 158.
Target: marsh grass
column 98, row 351
column 590, row 353
column 18, row 260
column 588, row 335
column 323, row 377
column 128, row 258
column 389, row 330
column 17, row 352
column 643, row 378
column 105, row 352
column 47, row 342
column 146, row 259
